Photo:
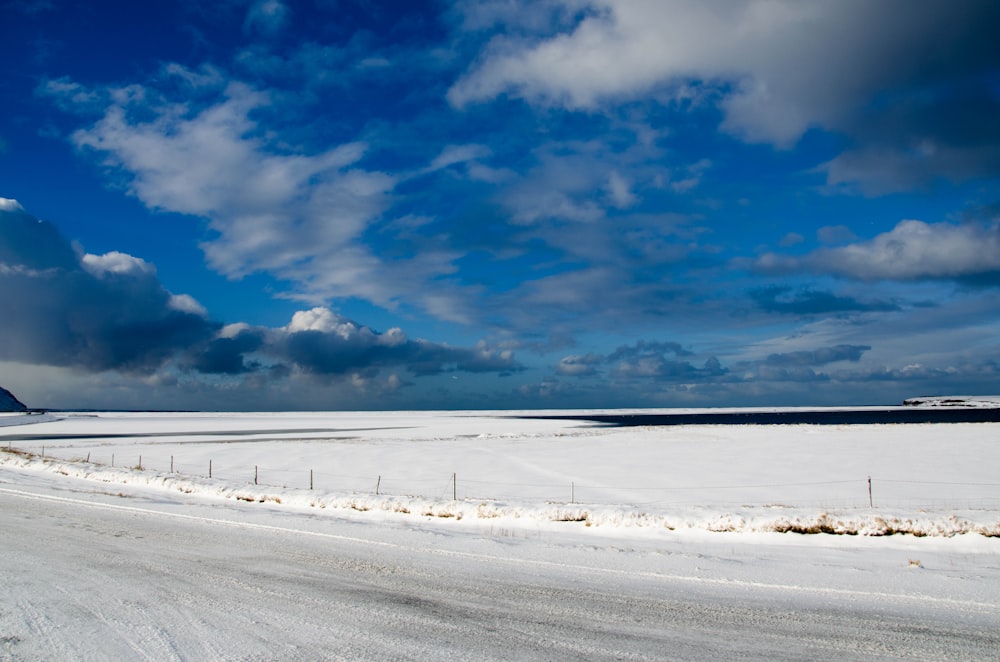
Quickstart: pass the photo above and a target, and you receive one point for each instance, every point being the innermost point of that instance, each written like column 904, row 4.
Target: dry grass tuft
column 579, row 516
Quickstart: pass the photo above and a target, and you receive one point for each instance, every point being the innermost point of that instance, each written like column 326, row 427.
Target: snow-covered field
column 445, row 513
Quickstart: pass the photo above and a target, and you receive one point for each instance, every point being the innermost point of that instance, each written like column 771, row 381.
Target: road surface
column 109, row 576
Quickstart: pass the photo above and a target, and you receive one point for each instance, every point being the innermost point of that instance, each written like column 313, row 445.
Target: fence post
column 377, row 483
column 209, row 468
column 310, row 479
column 112, row 460
column 572, row 492
column 870, row 505
column 140, row 463
column 255, row 474
column 454, row 487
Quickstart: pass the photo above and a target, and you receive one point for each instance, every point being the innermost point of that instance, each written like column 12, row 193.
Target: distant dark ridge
column 908, row 415
column 9, row 403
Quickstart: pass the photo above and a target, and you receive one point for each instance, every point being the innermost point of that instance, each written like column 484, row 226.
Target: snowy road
column 91, row 575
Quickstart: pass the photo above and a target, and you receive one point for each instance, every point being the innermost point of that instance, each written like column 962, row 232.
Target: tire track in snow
column 923, row 599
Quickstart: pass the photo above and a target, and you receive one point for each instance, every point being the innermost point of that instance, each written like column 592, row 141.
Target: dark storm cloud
column 28, row 243
column 351, row 348
column 110, row 312
column 228, row 355
column 93, row 312
column 939, row 121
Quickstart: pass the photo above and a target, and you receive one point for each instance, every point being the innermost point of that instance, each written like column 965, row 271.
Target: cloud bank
column 94, row 313
column 762, row 60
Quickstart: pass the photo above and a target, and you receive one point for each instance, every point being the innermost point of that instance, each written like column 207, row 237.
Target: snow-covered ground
column 977, row 401
column 483, row 535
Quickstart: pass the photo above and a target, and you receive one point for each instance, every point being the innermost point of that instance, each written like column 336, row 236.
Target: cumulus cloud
column 230, row 353
column 115, row 263
column 579, row 366
column 110, row 313
column 769, row 63
column 32, row 244
column 913, row 250
column 322, row 343
column 93, row 312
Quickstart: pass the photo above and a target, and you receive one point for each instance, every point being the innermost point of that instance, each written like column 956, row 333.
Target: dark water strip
column 796, row 417
column 185, row 433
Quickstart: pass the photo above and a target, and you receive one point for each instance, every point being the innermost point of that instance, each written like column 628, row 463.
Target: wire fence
column 862, row 492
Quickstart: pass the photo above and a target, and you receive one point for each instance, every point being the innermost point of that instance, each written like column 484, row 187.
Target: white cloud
column 233, row 330
column 186, row 303
column 68, row 94
column 578, row 366
column 562, row 184
column 297, row 216
column 782, row 66
column 688, row 177
column 456, row 154
column 266, row 17
column 115, row 263
column 913, row 250
column 205, row 76
column 620, row 191
column 323, row 320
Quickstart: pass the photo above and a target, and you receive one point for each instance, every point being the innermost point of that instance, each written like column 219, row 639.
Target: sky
column 350, row 204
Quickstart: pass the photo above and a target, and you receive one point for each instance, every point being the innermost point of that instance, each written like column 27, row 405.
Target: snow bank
column 605, row 518
column 499, row 468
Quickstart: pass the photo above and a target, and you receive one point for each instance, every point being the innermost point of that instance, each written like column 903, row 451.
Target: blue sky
column 344, row 204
